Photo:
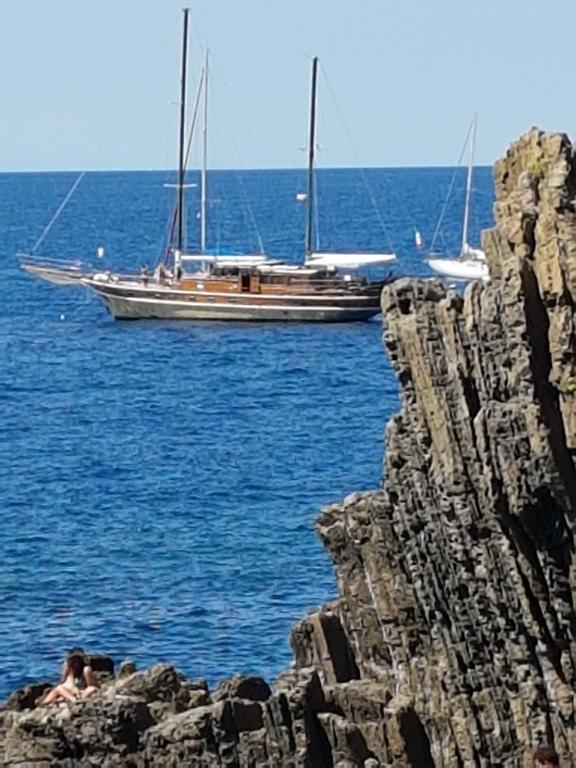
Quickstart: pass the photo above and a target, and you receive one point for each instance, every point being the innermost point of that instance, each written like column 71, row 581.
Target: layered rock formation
column 453, row 640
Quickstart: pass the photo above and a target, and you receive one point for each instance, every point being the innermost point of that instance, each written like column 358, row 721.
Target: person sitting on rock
column 78, row 651
column 78, row 681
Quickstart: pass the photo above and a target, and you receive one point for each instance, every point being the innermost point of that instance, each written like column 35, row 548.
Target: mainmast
column 464, row 247
column 182, row 141
column 204, row 160
column 311, row 148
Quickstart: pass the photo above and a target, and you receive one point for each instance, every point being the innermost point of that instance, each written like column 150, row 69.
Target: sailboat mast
column 204, row 161
column 182, row 141
column 311, row 148
column 464, row 247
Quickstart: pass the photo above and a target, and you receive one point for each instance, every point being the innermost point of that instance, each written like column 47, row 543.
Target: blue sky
column 94, row 83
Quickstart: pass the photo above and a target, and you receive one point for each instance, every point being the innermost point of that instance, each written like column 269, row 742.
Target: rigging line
column 143, row 73
column 240, row 181
column 59, row 210
column 167, row 229
column 362, row 171
column 186, row 159
column 246, row 201
column 150, row 61
column 248, row 209
column 450, row 190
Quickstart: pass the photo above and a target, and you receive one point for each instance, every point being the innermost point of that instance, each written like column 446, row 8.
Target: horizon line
column 245, row 170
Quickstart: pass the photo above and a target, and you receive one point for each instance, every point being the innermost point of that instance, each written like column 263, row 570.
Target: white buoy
column 100, row 251
column 62, row 317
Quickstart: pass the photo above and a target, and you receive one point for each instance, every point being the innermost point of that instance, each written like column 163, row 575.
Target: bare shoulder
column 91, row 677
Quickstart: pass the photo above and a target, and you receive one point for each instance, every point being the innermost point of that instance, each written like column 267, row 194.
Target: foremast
column 182, row 137
column 311, row 151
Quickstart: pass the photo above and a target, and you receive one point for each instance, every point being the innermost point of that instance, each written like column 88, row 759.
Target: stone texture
column 452, row 641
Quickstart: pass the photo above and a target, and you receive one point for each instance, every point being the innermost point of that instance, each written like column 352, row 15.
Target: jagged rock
column 243, row 687
column 126, row 669
column 26, row 698
column 161, row 686
column 453, row 640
column 456, row 578
column 320, row 641
column 94, row 732
column 198, row 693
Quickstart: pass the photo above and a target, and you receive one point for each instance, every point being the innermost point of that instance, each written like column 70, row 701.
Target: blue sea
column 160, row 481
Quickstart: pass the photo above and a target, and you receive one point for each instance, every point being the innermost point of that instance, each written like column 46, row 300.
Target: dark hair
column 76, row 664
column 546, row 754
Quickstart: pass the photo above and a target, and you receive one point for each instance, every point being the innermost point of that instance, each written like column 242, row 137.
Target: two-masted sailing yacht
column 201, row 286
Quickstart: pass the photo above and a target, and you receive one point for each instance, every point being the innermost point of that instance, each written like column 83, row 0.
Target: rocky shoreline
column 452, row 642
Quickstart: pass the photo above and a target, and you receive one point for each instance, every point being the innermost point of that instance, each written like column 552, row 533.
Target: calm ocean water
column 160, row 480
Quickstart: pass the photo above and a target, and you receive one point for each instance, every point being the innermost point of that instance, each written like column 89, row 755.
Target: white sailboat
column 317, row 258
column 471, row 262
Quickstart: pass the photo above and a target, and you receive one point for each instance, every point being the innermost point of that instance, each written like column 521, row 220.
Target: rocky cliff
column 452, row 642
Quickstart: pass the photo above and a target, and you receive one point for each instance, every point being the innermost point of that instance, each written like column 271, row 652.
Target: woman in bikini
column 78, row 682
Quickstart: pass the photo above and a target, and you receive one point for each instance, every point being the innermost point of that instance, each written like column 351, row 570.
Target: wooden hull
column 154, row 302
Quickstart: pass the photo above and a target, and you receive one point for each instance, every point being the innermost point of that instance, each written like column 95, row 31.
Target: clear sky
column 94, row 83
